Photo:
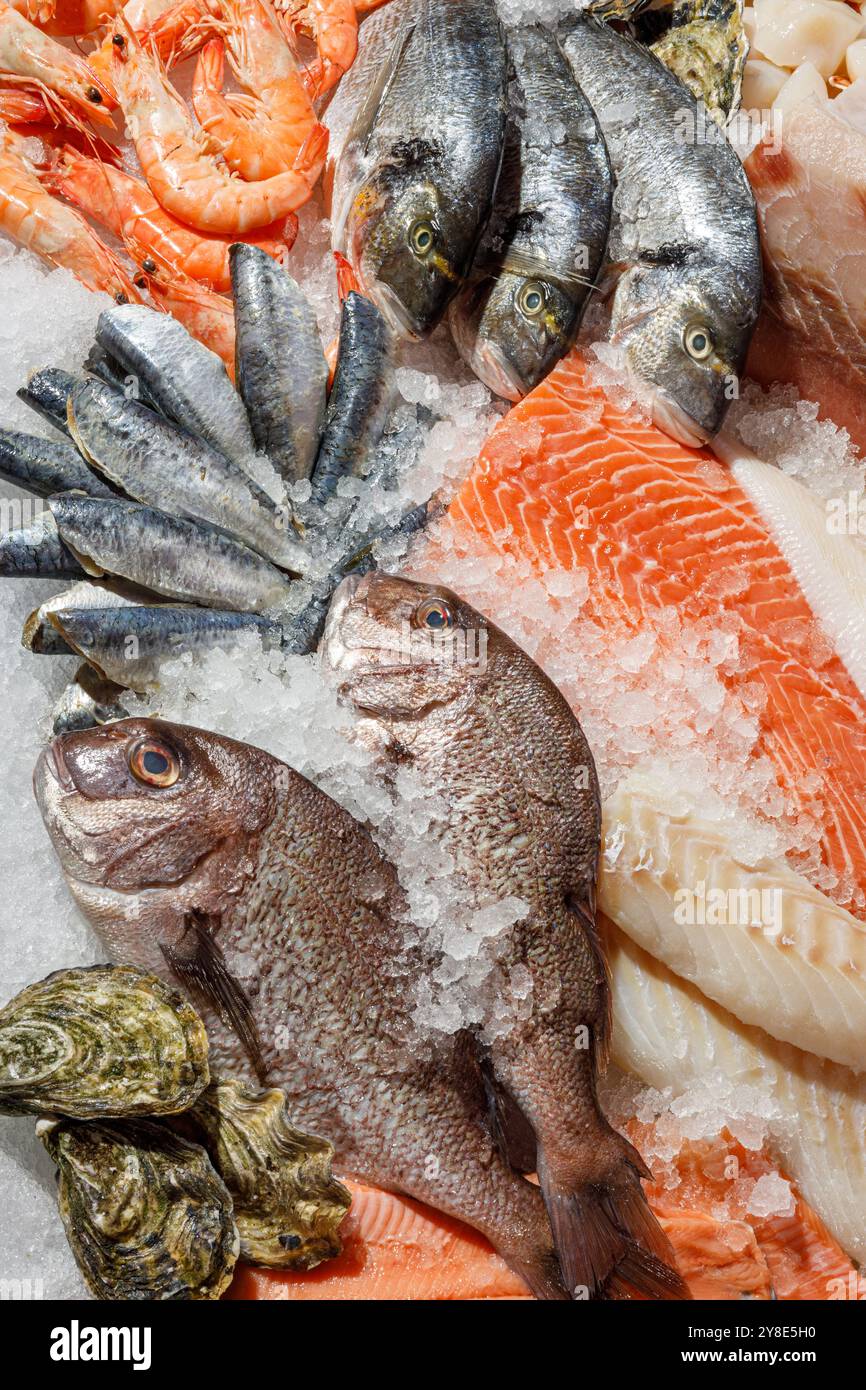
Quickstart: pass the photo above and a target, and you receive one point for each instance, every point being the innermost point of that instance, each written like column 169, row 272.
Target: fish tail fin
column 609, row 1244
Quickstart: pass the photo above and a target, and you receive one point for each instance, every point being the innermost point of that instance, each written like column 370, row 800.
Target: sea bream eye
column 154, row 764
column 698, row 342
column 531, row 299
column 422, row 237
column 434, row 614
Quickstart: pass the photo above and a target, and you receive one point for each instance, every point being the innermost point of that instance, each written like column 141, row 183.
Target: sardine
column 415, row 179
column 157, row 462
column 187, row 381
column 545, row 244
column 37, row 552
column 129, row 644
column 361, row 397
column 448, row 697
column 41, row 636
column 223, row 870
column 88, row 700
column 684, row 234
column 43, row 466
column 181, row 559
column 281, row 370
column 47, row 392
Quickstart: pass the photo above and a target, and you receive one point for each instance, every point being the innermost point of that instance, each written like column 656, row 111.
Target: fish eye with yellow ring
column 531, row 299
column 422, row 238
column 698, row 342
column 434, row 614
column 153, row 763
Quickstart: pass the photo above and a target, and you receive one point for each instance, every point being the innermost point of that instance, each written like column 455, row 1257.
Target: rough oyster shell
column 145, row 1214
column 287, row 1204
column 100, row 1041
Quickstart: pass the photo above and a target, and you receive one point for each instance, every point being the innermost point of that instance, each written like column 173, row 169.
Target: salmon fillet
column 569, row 480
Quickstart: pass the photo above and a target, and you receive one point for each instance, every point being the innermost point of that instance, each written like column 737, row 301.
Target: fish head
column 684, row 333
column 511, row 329
column 150, row 819
column 398, row 648
column 409, row 239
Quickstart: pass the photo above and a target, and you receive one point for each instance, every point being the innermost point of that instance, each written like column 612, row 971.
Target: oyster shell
column 706, row 46
column 287, row 1204
column 103, row 1040
column 145, row 1214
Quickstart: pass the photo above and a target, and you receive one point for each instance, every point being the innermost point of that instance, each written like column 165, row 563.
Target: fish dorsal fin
column 200, row 965
column 365, row 116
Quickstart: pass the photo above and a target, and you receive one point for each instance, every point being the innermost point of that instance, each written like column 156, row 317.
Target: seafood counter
column 433, row 624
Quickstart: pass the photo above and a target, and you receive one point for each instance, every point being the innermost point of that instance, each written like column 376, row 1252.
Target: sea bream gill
column 423, row 112
column 684, row 235
column 475, row 719
column 219, row 868
column 546, row 240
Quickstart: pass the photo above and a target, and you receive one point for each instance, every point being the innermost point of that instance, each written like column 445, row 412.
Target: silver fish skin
column 37, row 552
column 685, row 230
column 546, row 240
column 281, row 370
column 187, row 381
column 40, row 636
column 44, row 466
column 361, row 397
column 47, row 392
column 415, row 179
column 129, row 645
column 88, row 700
column 235, row 877
column 158, row 463
column 170, row 555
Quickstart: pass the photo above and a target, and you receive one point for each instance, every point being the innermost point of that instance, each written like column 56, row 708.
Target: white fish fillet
column 669, row 1035
column 755, row 937
column 830, row 568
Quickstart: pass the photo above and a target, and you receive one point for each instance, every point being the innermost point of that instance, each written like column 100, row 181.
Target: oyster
column 287, row 1204
column 100, row 1041
column 703, row 41
column 145, row 1214
column 707, row 48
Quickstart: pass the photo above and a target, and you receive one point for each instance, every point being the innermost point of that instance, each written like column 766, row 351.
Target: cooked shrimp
column 20, row 107
column 151, row 235
column 57, row 233
column 61, row 78
column 207, row 316
column 145, row 18
column 188, row 182
column 259, row 133
column 334, row 26
column 66, row 17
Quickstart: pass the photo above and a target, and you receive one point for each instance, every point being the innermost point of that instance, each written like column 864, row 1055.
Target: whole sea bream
column 546, row 240
column 684, row 235
column 216, row 866
column 423, row 118
column 444, row 695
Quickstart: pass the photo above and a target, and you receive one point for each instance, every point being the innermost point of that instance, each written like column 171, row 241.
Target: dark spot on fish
column 671, row 254
column 408, row 156
column 289, row 1242
column 94, row 95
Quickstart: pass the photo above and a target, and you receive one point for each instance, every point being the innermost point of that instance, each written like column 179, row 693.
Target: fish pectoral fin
column 365, row 116
column 583, row 907
column 509, row 1126
column 200, row 965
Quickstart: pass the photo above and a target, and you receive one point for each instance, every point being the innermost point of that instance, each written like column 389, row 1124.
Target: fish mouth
column 670, row 416
column 493, row 367
column 398, row 318
column 337, row 654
